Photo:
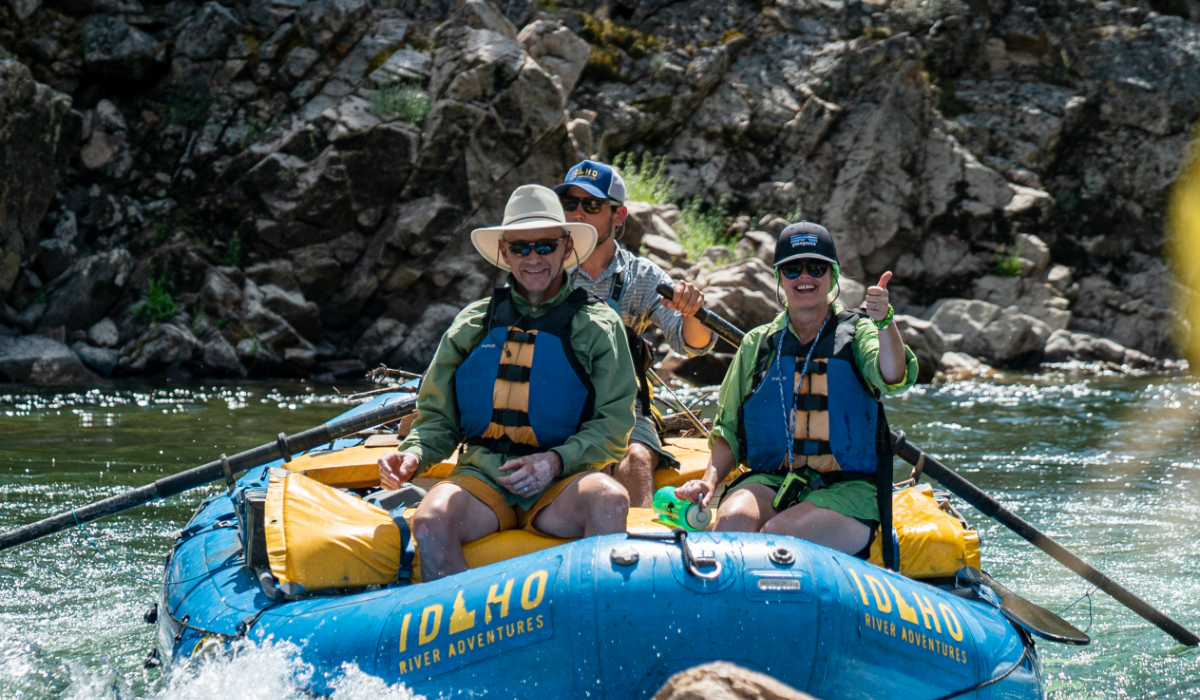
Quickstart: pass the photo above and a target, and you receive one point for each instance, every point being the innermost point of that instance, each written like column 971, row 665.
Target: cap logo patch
column 584, row 174
column 804, row 239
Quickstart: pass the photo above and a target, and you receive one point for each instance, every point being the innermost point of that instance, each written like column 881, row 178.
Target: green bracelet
column 887, row 320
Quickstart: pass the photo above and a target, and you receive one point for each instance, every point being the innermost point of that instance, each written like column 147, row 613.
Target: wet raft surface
column 1110, row 467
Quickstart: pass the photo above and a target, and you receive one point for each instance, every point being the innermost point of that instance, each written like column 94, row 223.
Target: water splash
column 248, row 671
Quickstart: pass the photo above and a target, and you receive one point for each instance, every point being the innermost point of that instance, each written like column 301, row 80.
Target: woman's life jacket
column 523, row 390
column 839, row 429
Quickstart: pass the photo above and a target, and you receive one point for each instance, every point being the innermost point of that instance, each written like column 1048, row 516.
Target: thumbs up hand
column 876, row 302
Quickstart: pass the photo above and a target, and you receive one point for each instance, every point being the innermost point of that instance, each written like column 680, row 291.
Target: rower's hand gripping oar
column 988, row 506
column 226, row 467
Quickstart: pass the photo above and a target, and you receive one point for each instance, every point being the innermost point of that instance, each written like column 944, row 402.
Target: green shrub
column 158, row 306
column 402, row 100
column 161, row 228
column 1007, row 263
column 648, row 182
column 233, row 252
column 703, row 229
column 184, row 107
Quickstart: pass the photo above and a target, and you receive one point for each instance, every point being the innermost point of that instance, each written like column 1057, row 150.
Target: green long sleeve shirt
column 736, row 387
column 599, row 341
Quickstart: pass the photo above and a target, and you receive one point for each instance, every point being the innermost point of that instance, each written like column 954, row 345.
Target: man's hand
column 696, row 491
column 877, row 298
column 533, row 473
column 395, row 468
column 688, row 300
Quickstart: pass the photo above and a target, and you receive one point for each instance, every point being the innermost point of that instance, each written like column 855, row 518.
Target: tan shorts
column 512, row 517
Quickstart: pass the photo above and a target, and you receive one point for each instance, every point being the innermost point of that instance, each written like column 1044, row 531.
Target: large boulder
column 80, row 296
column 116, row 51
column 34, row 135
column 926, row 342
column 33, row 359
column 1063, row 346
column 744, row 293
column 416, row 352
column 165, row 349
column 989, row 332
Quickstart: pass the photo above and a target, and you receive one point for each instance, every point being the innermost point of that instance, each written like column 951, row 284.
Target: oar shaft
column 990, row 507
column 198, row 476
column 731, row 333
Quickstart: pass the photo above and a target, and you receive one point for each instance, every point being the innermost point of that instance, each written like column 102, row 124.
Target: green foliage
column 702, row 229
column 1007, row 263
column 402, row 100
column 161, row 228
column 948, row 102
column 603, row 64
column 1067, row 201
column 233, row 251
column 1058, row 72
column 648, row 182
column 184, row 107
column 254, row 346
column 257, row 129
column 222, row 322
column 158, row 306
column 796, row 214
column 629, row 39
column 199, row 323
column 548, row 6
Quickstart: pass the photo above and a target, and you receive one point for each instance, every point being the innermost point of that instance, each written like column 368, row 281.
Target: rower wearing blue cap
column 594, row 193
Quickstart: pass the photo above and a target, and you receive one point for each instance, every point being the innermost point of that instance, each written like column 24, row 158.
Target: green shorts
column 853, row 498
column 645, row 433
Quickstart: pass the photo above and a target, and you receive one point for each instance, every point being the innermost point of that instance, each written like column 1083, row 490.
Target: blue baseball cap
column 597, row 179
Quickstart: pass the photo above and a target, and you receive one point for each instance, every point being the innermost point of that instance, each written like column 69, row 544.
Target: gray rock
column 217, row 356
column 33, row 359
column 1063, row 346
column 114, row 50
column 102, row 360
column 926, row 342
column 325, row 20
column 380, row 340
column 208, row 34
column 24, row 8
column 416, row 352
column 558, row 50
column 280, row 273
column 221, row 293
column 1034, row 250
column 55, row 256
column 989, row 332
column 86, row 291
column 165, row 349
column 405, row 65
column 664, row 248
column 104, row 334
column 33, row 120
column 303, row 315
column 722, row 680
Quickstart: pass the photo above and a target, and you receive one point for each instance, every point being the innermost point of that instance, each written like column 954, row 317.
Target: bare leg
column 590, row 505
column 746, row 509
column 449, row 517
column 636, row 473
column 822, row 526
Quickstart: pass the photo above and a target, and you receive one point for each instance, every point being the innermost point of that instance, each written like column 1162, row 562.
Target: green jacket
column 736, row 387
column 599, row 340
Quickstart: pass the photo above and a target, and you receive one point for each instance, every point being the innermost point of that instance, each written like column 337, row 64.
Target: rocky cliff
column 286, row 187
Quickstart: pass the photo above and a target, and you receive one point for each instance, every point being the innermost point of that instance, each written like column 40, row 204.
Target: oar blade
column 1030, row 616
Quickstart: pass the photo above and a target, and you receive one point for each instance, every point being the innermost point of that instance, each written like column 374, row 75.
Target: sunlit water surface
column 1109, row 466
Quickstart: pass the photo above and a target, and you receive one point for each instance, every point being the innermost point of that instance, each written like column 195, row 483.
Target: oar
column 226, row 467
column 988, row 506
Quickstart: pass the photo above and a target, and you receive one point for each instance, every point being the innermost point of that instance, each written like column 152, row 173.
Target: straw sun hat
column 532, row 207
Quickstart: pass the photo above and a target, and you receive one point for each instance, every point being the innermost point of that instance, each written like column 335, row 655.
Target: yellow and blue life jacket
column 839, row 430
column 522, row 389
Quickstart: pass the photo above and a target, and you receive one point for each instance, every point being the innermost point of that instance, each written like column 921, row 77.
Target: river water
column 1109, row 466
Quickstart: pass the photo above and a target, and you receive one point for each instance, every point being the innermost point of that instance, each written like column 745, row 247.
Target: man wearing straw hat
column 538, row 382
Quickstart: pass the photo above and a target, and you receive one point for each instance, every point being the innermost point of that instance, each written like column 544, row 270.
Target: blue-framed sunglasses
column 542, row 246
column 815, row 268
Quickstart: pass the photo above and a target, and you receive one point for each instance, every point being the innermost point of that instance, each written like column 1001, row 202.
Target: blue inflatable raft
column 609, row 617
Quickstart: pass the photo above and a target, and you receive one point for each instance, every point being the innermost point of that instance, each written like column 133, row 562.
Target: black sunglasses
column 542, row 246
column 591, row 205
column 793, row 270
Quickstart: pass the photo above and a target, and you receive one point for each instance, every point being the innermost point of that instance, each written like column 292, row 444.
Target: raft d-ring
column 693, row 564
column 286, row 451
column 782, row 556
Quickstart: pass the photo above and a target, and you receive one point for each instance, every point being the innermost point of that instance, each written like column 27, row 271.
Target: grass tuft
column 1007, row 263
column 648, row 182
column 233, row 251
column 703, row 229
column 402, row 100
column 159, row 306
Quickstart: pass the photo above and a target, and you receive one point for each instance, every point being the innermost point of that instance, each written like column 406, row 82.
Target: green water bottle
column 678, row 512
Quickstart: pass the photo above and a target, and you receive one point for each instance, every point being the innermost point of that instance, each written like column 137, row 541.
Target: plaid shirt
column 640, row 303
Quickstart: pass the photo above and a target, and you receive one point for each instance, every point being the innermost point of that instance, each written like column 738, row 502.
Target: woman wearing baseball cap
column 800, row 408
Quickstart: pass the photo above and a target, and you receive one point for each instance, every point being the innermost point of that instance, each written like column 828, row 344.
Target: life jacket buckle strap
column 510, row 418
column 519, row 336
column 811, row 402
column 811, row 448
column 513, row 373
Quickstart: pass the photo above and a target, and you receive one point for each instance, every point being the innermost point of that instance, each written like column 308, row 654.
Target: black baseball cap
column 805, row 240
